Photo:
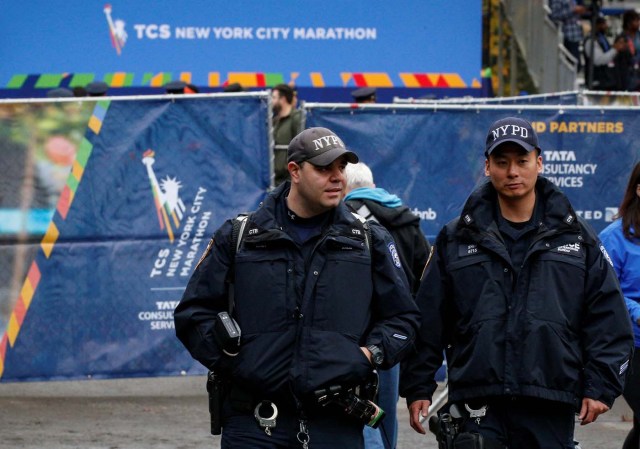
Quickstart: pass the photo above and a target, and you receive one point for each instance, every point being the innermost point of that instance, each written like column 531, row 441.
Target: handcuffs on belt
column 266, row 423
column 269, row 423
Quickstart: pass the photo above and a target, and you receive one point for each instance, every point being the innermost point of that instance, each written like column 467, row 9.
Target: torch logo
column 116, row 30
column 169, row 206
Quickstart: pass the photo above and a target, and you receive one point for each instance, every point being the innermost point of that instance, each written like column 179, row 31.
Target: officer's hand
column 417, row 410
column 366, row 353
column 590, row 410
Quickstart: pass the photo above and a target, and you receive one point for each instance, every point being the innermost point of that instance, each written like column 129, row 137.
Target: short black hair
column 285, row 91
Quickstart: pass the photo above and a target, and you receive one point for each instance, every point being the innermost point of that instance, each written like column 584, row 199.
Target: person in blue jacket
column 376, row 204
column 321, row 300
column 623, row 246
column 520, row 296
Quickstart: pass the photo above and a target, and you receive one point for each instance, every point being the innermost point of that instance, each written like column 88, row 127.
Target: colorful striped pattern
column 51, row 236
column 247, row 79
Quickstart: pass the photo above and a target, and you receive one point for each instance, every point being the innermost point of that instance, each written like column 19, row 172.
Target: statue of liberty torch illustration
column 116, row 30
column 165, row 194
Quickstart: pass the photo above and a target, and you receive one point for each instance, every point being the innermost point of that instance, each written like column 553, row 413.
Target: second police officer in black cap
column 321, row 300
column 522, row 297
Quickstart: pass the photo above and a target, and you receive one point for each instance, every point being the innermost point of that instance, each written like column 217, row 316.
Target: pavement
column 172, row 413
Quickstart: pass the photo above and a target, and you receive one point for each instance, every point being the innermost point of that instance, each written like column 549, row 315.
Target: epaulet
column 367, row 229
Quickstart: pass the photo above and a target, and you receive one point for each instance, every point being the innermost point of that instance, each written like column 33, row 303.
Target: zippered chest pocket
column 261, row 282
column 344, row 288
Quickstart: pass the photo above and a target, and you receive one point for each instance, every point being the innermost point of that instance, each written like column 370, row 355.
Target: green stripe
column 81, row 79
column 72, row 183
column 271, row 79
column 49, row 80
column 84, row 152
column 104, row 104
column 146, row 78
column 16, row 81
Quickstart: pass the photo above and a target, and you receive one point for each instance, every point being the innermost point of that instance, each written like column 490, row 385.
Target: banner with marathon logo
column 106, row 208
column 400, row 44
column 433, row 156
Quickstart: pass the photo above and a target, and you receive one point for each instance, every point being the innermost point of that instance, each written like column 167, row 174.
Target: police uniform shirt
column 517, row 236
column 303, row 231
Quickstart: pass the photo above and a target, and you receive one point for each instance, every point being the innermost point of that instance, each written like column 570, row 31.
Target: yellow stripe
column 214, row 79
column 453, row 80
column 377, row 79
column 409, row 80
column 95, row 124
column 27, row 293
column 118, row 79
column 186, row 77
column 433, row 77
column 345, row 77
column 12, row 329
column 247, row 79
column 316, row 79
column 158, row 80
column 50, row 239
column 77, row 170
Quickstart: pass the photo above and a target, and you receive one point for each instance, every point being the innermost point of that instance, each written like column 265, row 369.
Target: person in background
column 566, row 14
column 97, row 89
column 523, row 300
column 287, row 123
column 180, row 87
column 609, row 64
column 376, row 204
column 631, row 30
column 622, row 242
column 364, row 95
column 233, row 87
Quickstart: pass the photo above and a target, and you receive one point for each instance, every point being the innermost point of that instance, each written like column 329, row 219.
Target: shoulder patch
column 606, row 254
column 394, row 254
column 570, row 249
column 206, row 253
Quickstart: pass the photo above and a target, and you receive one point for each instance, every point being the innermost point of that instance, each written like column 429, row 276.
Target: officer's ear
column 294, row 171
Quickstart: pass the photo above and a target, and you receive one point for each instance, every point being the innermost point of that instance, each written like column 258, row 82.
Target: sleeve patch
column 606, row 254
column 624, row 367
column 394, row 254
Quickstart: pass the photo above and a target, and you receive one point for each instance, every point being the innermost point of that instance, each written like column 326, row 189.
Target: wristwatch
column 377, row 356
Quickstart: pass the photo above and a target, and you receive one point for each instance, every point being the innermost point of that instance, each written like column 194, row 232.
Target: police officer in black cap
column 321, row 300
column 364, row 95
column 97, row 89
column 522, row 297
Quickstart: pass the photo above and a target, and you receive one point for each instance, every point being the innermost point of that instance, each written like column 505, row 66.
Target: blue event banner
column 151, row 181
column 433, row 156
column 305, row 42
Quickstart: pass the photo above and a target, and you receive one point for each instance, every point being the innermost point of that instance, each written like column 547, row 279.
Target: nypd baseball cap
column 319, row 146
column 511, row 129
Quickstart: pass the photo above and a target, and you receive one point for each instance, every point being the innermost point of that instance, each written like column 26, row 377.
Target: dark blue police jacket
column 559, row 330
column 302, row 324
